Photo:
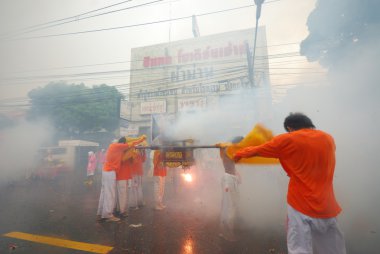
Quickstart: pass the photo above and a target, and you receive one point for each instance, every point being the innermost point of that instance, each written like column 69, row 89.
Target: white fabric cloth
column 136, row 194
column 230, row 195
column 159, row 189
column 107, row 197
column 122, row 196
column 307, row 235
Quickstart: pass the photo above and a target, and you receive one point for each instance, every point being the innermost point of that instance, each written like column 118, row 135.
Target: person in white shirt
column 230, row 195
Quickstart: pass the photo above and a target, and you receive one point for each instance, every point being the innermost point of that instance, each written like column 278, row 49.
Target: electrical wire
column 223, row 74
column 95, row 15
column 260, row 58
column 140, row 24
column 72, row 19
column 126, row 87
column 132, row 96
column 131, row 61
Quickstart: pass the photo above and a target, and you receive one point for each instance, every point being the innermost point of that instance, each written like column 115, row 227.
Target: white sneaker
column 162, row 206
column 158, row 207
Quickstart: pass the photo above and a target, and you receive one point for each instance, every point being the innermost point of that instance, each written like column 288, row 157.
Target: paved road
column 65, row 208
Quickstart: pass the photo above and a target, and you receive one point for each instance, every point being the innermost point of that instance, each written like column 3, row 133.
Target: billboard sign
column 207, row 65
column 153, row 107
column 191, row 104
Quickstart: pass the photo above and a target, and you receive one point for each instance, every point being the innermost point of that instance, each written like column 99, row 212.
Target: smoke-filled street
column 189, row 126
column 65, row 208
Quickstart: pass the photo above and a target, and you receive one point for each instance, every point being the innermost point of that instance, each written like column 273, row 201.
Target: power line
column 96, row 15
column 96, row 101
column 260, row 58
column 141, row 24
column 164, row 81
column 127, row 75
column 134, row 95
column 131, row 61
column 221, row 72
column 223, row 75
column 91, row 100
column 111, row 72
column 75, row 16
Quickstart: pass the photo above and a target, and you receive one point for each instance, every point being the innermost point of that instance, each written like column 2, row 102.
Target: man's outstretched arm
column 268, row 149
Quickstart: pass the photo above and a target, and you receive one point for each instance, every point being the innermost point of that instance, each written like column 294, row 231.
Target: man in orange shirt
column 112, row 164
column 159, row 173
column 122, row 177
column 308, row 157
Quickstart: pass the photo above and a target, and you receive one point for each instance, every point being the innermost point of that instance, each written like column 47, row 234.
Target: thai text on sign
column 153, row 107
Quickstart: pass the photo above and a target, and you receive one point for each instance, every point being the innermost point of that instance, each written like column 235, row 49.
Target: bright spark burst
column 187, row 177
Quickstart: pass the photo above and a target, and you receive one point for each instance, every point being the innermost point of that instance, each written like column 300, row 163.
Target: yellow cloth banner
column 132, row 152
column 257, row 136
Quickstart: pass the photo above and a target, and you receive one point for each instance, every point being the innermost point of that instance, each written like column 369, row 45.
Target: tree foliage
column 337, row 27
column 74, row 108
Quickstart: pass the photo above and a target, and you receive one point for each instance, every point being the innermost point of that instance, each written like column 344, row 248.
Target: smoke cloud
column 347, row 107
column 263, row 189
column 18, row 149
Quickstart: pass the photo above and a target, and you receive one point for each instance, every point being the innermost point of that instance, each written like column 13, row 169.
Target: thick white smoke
column 18, row 149
column 347, row 107
column 263, row 188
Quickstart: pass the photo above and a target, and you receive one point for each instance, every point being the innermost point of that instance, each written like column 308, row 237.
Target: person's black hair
column 237, row 139
column 122, row 140
column 298, row 121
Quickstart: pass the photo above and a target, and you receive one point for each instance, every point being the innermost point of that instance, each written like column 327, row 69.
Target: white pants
column 136, row 194
column 122, row 195
column 159, row 189
column 230, row 195
column 107, row 197
column 307, row 235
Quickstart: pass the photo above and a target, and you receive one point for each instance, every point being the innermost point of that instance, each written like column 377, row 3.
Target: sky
column 32, row 62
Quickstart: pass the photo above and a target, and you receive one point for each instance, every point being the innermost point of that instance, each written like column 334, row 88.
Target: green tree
column 339, row 27
column 74, row 108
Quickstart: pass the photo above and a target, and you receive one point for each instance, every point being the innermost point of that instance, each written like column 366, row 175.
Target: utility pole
column 258, row 14
column 195, row 26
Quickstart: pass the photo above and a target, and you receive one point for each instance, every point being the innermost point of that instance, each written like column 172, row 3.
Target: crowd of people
column 121, row 185
column 306, row 154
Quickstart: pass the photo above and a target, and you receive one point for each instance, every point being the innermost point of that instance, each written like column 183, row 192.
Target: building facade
column 193, row 74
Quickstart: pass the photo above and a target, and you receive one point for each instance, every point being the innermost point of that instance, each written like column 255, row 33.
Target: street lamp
column 258, row 14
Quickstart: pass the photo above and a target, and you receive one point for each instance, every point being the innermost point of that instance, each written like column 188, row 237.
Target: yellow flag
column 257, row 136
column 132, row 152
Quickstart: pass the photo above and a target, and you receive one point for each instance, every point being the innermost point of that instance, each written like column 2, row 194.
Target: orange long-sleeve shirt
column 115, row 153
column 137, row 163
column 113, row 157
column 159, row 168
column 125, row 172
column 308, row 157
